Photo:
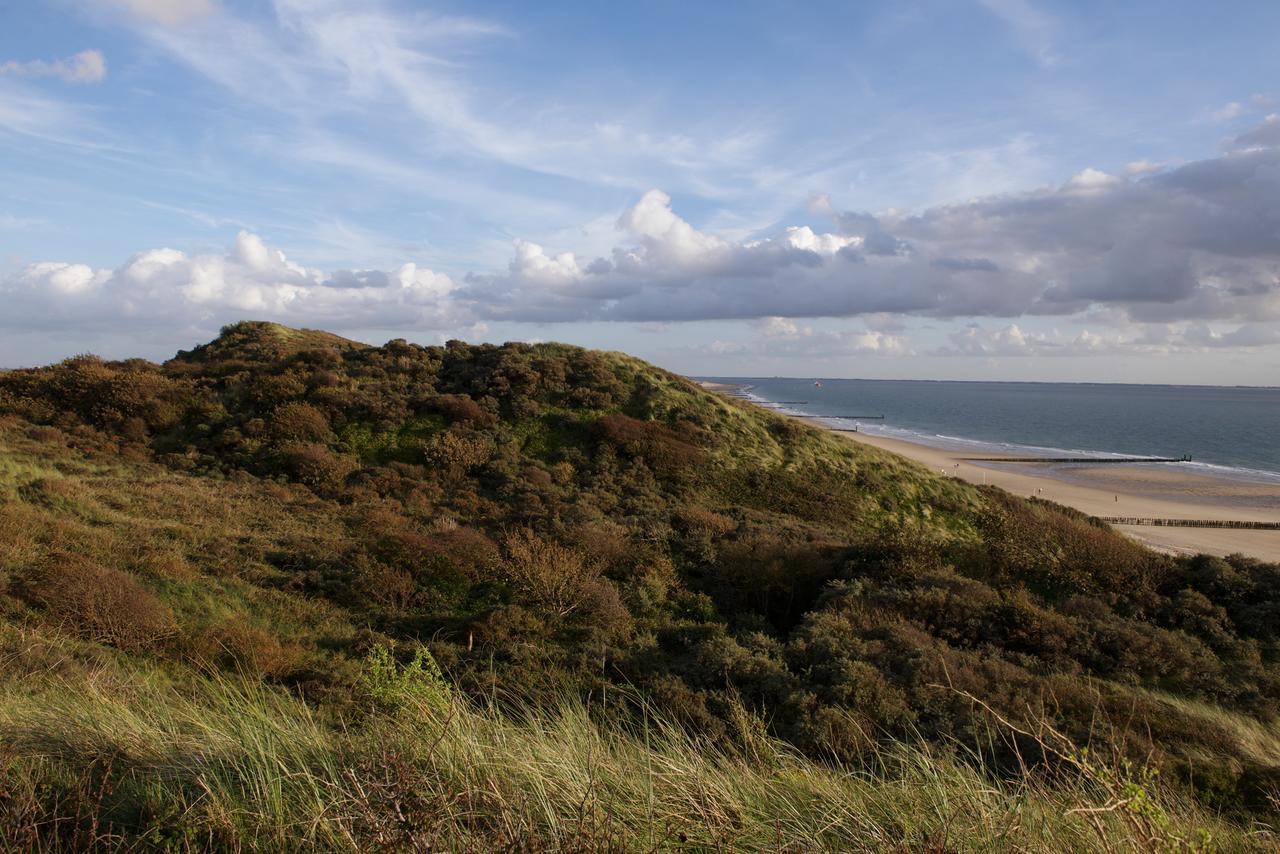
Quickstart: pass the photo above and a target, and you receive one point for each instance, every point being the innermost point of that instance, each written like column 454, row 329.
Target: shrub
column 316, row 466
column 457, row 408
column 550, row 575
column 99, row 603
column 235, row 646
column 664, row 449
column 299, row 422
column 392, row 687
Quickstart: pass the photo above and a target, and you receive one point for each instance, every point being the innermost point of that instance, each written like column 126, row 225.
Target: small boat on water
column 817, row 384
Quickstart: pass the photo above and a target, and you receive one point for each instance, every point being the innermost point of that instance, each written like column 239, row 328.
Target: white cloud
column 803, row 237
column 780, row 327
column 1143, row 167
column 1159, row 339
column 1090, row 180
column 532, row 264
column 87, row 66
column 59, row 278
column 1197, row 241
column 166, row 287
column 789, row 341
column 668, row 239
column 1228, row 112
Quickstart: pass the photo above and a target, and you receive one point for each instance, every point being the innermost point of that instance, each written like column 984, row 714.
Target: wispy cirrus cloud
column 87, row 66
column 166, row 12
column 1034, row 28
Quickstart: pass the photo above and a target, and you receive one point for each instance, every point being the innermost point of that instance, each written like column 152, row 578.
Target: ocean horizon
column 1228, row 431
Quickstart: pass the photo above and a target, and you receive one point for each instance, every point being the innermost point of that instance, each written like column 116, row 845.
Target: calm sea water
column 1231, row 432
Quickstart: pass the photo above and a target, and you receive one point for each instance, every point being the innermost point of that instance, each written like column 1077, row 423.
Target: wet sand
column 1119, row 490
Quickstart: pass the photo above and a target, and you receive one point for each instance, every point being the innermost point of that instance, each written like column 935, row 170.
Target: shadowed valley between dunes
column 289, row 591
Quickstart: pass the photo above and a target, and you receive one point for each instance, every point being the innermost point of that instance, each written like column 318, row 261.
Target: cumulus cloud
column 87, row 66
column 166, row 287
column 1196, row 241
column 1265, row 135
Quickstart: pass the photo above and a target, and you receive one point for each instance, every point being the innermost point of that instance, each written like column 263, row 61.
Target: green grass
column 125, row 757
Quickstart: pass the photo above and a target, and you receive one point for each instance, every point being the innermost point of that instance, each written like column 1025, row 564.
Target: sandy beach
column 1120, row 490
column 1115, row 490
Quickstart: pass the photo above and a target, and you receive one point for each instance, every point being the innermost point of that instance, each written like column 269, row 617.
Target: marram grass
column 223, row 764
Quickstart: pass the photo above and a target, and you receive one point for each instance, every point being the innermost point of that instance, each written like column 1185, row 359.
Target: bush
column 457, row 408
column 316, row 466
column 548, row 574
column 99, row 603
column 664, row 449
column 299, row 422
column 392, row 687
column 246, row 649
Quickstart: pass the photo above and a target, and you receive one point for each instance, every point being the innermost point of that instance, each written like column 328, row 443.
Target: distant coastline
column 1228, row 431
column 1149, row 491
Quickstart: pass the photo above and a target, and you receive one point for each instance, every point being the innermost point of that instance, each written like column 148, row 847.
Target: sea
column 1229, row 432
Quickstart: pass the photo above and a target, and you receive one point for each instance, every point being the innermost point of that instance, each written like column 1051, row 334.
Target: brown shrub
column 547, row 573
column 460, row 408
column 387, row 586
column 699, row 520
column 316, row 466
column 299, row 422
column 232, row 645
column 99, row 603
column 664, row 449
column 455, row 453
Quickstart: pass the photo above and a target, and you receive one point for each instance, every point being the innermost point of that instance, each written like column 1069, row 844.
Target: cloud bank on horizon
column 1145, row 259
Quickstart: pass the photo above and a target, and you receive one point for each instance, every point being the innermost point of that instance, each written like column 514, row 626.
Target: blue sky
column 1005, row 189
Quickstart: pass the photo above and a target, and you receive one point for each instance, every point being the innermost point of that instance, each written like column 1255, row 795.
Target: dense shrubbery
column 548, row 519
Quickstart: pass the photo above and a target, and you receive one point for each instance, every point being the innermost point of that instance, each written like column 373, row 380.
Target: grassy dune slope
column 663, row 618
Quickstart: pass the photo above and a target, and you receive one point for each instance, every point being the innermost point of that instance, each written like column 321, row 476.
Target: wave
column 947, row 442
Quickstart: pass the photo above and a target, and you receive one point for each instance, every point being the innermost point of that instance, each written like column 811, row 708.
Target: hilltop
column 287, row 538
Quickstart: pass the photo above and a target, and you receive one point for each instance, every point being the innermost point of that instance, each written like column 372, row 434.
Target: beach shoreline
column 1116, row 491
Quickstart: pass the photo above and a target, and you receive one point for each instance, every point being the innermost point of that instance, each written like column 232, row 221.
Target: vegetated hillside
column 557, row 526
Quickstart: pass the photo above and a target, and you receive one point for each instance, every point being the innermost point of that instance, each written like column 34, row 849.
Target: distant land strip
column 1185, row 459
column 1191, row 523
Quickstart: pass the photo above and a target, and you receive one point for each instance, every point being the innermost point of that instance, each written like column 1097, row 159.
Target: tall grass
column 131, row 761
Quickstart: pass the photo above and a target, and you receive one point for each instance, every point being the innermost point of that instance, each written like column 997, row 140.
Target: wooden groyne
column 1090, row 460
column 1191, row 523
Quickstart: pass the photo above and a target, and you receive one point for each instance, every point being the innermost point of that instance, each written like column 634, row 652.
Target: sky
column 942, row 189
